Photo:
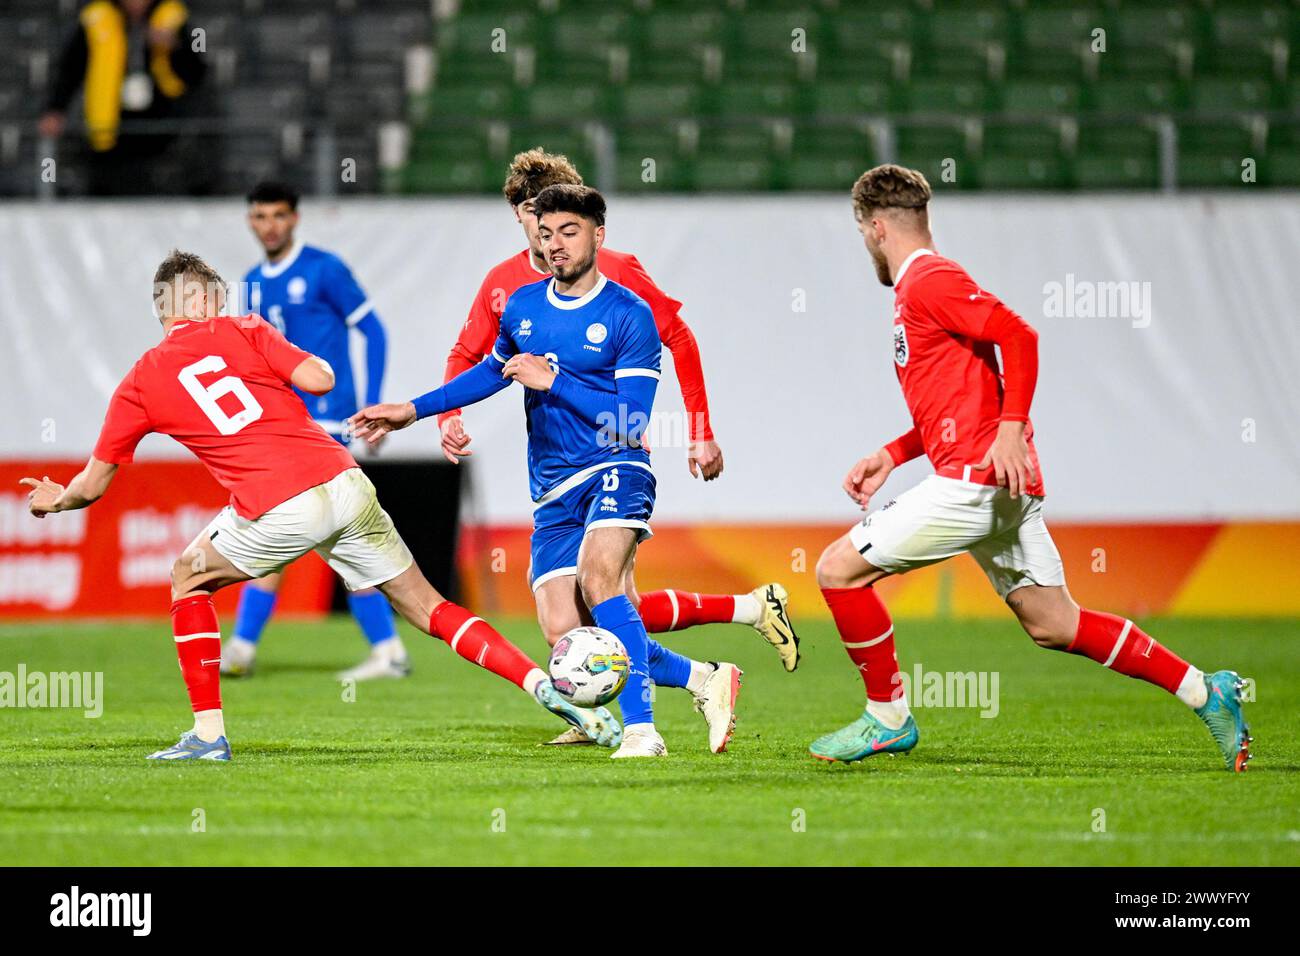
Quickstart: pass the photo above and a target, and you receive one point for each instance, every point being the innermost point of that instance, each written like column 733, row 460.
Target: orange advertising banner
column 114, row 558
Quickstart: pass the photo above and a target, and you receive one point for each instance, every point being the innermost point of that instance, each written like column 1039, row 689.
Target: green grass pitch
column 445, row 768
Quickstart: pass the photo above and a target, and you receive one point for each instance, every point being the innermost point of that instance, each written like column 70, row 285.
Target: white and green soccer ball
column 589, row 666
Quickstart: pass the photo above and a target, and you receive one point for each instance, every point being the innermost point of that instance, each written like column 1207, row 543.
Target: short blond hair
column 533, row 170
column 891, row 187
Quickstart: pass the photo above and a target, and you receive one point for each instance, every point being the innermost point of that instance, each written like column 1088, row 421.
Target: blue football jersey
column 596, row 339
column 313, row 298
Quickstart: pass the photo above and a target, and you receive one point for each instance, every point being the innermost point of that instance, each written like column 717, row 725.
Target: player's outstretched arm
column 480, row 382
column 49, row 497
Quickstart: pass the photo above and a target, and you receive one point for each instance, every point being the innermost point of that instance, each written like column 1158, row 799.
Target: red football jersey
column 480, row 330
column 221, row 389
column 948, row 368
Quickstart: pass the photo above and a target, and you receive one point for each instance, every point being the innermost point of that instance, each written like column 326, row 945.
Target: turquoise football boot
column 863, row 738
column 596, row 722
column 190, row 747
column 1222, row 714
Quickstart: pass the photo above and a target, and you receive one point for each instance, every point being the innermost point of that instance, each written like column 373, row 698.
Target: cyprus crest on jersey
column 900, row 344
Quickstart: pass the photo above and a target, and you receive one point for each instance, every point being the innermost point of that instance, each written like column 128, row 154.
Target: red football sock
column 868, row 635
column 1122, row 646
column 476, row 640
column 198, row 645
column 673, row 610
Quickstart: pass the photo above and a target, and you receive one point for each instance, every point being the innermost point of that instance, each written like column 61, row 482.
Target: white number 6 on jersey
column 206, row 398
column 609, row 481
column 554, row 361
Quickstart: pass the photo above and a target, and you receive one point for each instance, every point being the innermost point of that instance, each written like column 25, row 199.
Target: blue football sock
column 667, row 668
column 618, row 615
column 374, row 614
column 255, row 607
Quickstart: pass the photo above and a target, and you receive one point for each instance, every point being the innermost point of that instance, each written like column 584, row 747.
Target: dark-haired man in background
column 311, row 296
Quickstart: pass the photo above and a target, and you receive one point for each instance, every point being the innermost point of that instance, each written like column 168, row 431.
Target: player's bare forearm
column 50, row 497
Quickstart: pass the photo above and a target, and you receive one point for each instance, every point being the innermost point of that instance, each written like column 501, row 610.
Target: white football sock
column 1191, row 691
column 701, row 671
column 749, row 610
column 532, row 679
column 892, row 713
column 640, row 729
column 390, row 648
column 209, row 725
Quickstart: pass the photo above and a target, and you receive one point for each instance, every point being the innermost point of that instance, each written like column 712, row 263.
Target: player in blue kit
column 586, row 350
column 311, row 296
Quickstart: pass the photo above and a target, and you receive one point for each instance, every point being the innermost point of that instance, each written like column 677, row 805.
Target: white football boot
column 774, row 623
column 640, row 743
column 571, row 736
column 237, row 657
column 717, row 702
column 387, row 660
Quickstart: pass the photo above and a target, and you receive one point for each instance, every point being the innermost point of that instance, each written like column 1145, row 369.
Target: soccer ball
column 589, row 666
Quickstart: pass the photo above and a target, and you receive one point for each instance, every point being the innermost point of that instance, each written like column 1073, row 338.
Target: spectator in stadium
column 136, row 62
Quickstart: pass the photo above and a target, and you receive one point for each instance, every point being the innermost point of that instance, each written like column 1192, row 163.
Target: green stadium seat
column 557, row 138
column 574, row 32
column 1040, row 96
column 673, row 32
column 772, row 32
column 1111, row 156
column 850, row 100
column 1011, row 172
column 1129, row 95
column 947, row 96
column 1138, row 25
column 477, row 33
column 1225, row 95
column 557, row 101
column 1066, row 28
column 1063, row 66
column 473, row 100
column 1153, row 60
column 823, row 172
column 1281, row 164
column 733, row 173
column 859, row 30
column 1041, row 139
column 877, row 61
column 1210, row 154
column 929, row 148
column 962, row 24
column 464, row 67
column 961, row 64
column 585, row 66
column 1239, row 25
column 660, row 100
column 754, row 99
column 740, row 139
column 779, row 66
column 450, row 175
column 450, row 140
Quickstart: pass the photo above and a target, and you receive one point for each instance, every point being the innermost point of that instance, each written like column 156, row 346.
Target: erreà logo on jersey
column 900, row 345
column 526, row 327
column 608, row 504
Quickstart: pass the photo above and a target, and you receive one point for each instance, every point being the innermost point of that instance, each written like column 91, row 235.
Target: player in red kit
column 764, row 608
column 985, row 497
column 221, row 387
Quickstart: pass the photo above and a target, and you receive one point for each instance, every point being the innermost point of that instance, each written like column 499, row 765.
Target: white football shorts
column 341, row 520
column 942, row 517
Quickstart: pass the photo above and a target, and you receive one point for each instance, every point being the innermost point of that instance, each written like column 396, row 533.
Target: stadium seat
column 945, row 96
column 1039, row 97
column 851, row 99
column 1281, row 164
column 939, row 151
column 660, row 100
column 1210, row 155
column 1131, row 95
column 1110, row 156
column 828, row 157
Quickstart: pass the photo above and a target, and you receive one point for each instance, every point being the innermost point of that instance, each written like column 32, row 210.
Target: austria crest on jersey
column 900, row 345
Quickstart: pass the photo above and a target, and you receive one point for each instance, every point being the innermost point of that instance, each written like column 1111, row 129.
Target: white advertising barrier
column 1169, row 383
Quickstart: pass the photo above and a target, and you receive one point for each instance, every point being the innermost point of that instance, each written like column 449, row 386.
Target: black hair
column 567, row 197
column 269, row 191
